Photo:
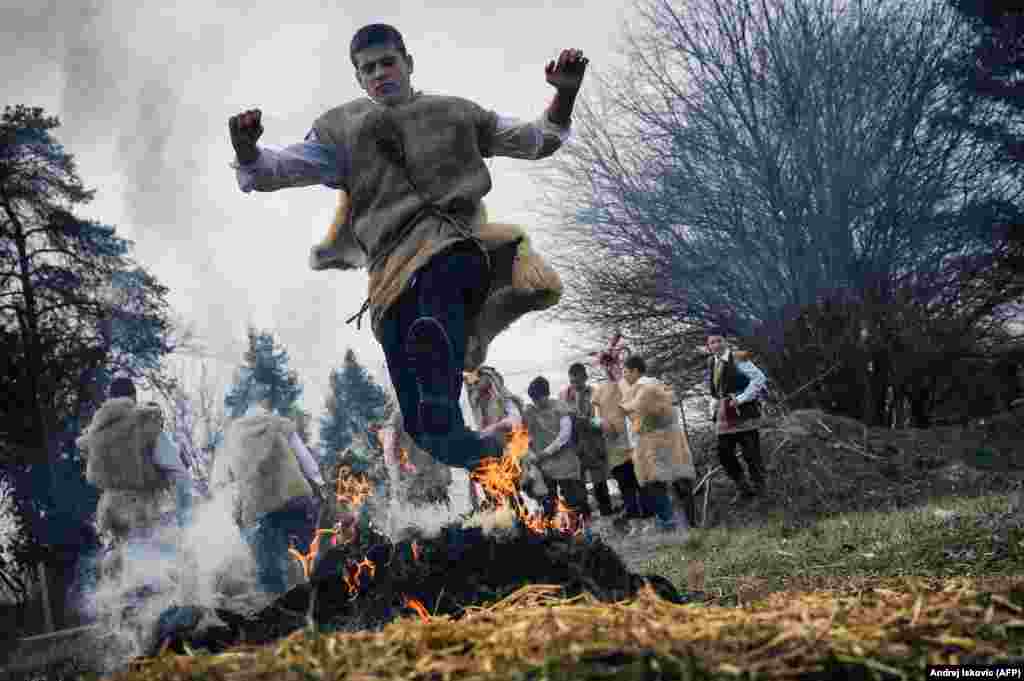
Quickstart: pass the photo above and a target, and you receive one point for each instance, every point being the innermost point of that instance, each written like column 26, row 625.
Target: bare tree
column 757, row 158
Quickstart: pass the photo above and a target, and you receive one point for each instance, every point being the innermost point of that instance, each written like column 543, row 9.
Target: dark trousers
column 604, row 497
column 750, row 442
column 625, row 476
column 446, row 288
column 574, row 491
column 270, row 538
column 656, row 495
column 684, row 490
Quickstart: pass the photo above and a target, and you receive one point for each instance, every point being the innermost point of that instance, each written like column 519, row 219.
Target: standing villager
column 441, row 283
column 274, row 480
column 611, row 419
column 590, row 440
column 549, row 422
column 136, row 465
column 661, row 452
column 735, row 384
column 494, row 409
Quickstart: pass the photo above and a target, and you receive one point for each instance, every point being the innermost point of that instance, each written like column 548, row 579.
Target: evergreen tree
column 353, row 403
column 266, row 365
column 74, row 307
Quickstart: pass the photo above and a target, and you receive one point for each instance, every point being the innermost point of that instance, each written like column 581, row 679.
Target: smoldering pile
column 370, row 581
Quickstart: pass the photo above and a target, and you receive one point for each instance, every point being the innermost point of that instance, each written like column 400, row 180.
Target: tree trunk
column 44, row 597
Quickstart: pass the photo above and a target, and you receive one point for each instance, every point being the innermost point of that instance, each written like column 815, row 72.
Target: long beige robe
column 662, row 452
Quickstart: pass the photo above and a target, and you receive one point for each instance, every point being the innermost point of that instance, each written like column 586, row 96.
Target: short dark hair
column 577, row 369
column 715, row 331
column 636, row 362
column 376, row 35
column 539, row 387
column 122, row 387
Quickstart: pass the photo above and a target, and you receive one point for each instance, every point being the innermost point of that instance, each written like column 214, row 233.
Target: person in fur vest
column 661, row 452
column 136, row 466
column 442, row 282
column 735, row 384
column 590, row 446
column 275, row 486
column 549, row 422
column 494, row 411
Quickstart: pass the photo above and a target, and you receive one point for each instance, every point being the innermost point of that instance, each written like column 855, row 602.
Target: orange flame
column 499, row 477
column 414, row 604
column 353, row 571
column 403, row 461
column 306, row 560
column 352, row 489
column 499, row 480
column 416, row 550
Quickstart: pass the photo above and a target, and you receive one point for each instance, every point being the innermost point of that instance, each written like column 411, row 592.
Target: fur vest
column 258, row 462
column 544, row 425
column 415, row 188
column 119, row 446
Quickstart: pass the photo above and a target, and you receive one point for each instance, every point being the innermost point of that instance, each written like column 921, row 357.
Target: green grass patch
column 947, row 537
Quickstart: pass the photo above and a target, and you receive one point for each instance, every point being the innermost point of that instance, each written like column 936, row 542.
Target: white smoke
column 205, row 564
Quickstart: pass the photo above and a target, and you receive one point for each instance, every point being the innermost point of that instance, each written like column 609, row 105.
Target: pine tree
column 265, row 364
column 354, row 402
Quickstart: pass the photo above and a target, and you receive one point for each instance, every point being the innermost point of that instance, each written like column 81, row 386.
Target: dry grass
column 896, row 625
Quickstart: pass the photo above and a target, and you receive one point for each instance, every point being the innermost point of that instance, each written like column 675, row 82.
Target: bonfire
column 361, row 579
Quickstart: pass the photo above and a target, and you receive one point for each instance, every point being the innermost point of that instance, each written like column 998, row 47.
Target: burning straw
column 893, row 626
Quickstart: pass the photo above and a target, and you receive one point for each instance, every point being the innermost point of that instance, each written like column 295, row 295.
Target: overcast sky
column 144, row 94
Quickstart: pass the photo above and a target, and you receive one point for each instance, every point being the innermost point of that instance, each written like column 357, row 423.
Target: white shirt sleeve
column 298, row 165
column 309, row 467
column 756, row 385
column 513, row 412
column 165, row 457
column 564, row 433
column 515, row 138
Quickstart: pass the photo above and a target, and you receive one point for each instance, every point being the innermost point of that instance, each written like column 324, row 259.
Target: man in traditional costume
column 735, row 384
column 274, row 480
column 661, row 452
column 611, row 419
column 442, row 282
column 590, row 440
column 549, row 422
column 136, row 465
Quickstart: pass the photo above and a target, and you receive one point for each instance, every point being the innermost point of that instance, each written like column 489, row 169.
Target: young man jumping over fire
column 412, row 166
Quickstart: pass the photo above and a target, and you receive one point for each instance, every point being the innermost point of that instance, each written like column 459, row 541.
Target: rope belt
column 392, row 241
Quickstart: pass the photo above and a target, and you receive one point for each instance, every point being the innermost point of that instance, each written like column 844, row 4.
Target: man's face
column 631, row 375
column 384, row 74
column 578, row 381
column 716, row 344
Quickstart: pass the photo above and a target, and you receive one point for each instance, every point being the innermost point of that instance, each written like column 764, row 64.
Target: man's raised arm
column 539, row 139
column 267, row 169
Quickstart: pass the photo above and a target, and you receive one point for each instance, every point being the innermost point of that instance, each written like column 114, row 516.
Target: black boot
column 604, row 498
column 430, row 352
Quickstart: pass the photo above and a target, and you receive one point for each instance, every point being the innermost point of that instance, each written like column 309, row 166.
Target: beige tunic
column 607, row 400
column 662, row 451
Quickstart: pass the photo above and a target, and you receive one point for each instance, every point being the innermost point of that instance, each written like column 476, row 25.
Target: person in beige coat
column 661, row 452
column 273, row 481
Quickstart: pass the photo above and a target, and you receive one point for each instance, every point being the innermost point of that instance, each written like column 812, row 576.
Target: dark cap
column 375, row 35
column 122, row 387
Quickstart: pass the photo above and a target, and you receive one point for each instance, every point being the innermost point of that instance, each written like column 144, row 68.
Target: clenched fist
column 245, row 129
